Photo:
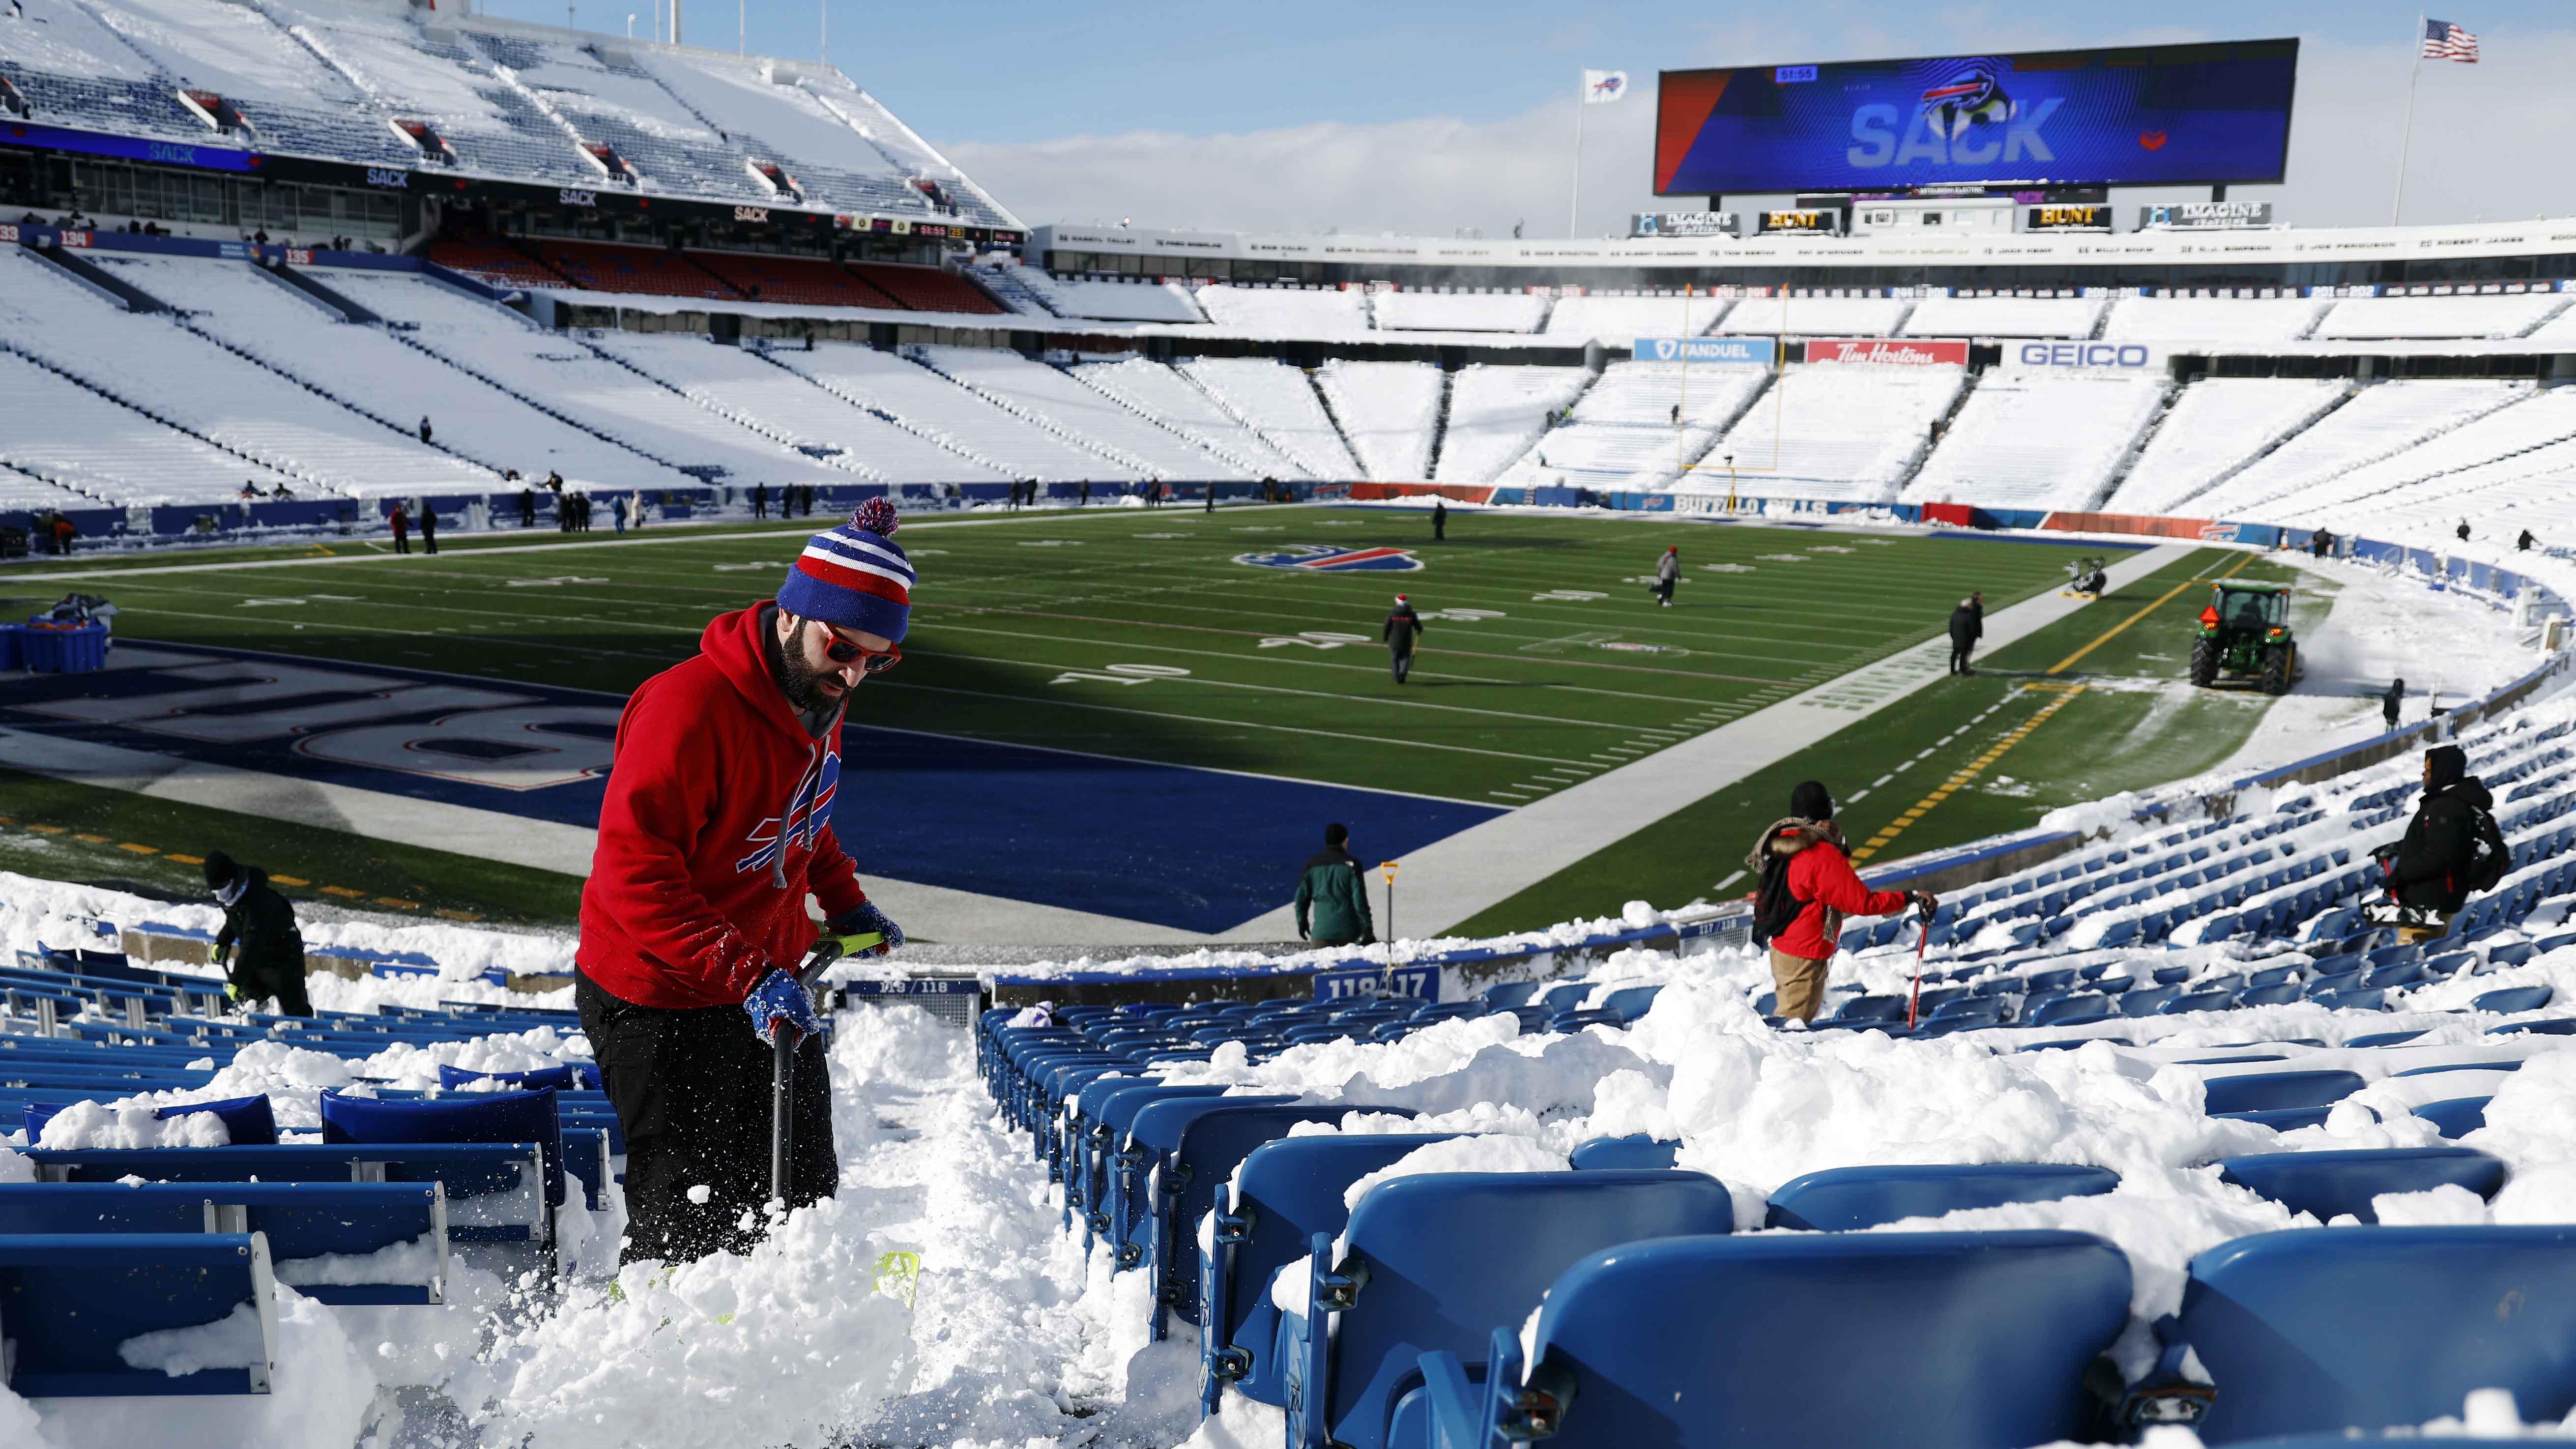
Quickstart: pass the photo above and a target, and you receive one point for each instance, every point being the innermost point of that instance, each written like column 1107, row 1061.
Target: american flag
column 2445, row 41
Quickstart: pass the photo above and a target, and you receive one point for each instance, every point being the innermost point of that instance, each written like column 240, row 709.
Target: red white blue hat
column 853, row 576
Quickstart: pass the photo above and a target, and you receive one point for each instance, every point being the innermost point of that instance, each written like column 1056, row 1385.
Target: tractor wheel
column 2276, row 669
column 2204, row 661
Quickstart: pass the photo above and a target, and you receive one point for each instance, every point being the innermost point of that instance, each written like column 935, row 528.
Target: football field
column 1117, row 718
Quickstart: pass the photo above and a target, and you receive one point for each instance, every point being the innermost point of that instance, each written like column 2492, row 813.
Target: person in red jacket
column 1822, row 882
column 716, row 826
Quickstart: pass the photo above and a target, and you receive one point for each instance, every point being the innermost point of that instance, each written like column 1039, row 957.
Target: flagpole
column 2406, row 137
column 1574, row 202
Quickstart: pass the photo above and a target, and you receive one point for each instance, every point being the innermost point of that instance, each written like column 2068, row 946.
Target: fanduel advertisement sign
column 2137, row 116
column 1887, row 352
column 1729, row 351
column 2083, row 356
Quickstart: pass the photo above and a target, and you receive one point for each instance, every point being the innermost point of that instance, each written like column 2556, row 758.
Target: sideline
column 1486, row 864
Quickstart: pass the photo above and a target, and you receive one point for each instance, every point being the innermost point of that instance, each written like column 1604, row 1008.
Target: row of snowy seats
column 1640, row 424
column 955, row 418
column 2379, row 421
column 2217, row 428
column 1277, row 401
column 1130, row 443
column 1388, row 411
column 1172, row 399
column 2529, row 433
column 1495, row 413
column 1254, row 1235
column 151, row 362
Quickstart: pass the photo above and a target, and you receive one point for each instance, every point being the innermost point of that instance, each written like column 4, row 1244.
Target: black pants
column 691, row 1089
column 1403, row 664
column 1959, row 652
column 1663, row 590
column 402, row 543
column 281, row 980
column 429, row 543
column 760, row 506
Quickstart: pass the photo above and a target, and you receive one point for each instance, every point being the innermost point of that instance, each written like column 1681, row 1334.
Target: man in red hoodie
column 1808, row 846
column 717, row 824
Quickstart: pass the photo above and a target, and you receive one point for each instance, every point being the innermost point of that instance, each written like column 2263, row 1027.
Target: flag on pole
column 1601, row 87
column 2443, row 41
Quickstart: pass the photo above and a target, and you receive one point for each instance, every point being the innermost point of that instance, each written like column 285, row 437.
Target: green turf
column 59, row 830
column 2103, row 741
column 1135, row 634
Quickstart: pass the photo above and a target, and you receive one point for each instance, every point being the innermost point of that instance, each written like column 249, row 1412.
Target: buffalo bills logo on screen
column 808, row 811
column 1323, row 558
column 1972, row 97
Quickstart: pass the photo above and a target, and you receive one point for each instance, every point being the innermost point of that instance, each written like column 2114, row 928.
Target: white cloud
column 2487, row 144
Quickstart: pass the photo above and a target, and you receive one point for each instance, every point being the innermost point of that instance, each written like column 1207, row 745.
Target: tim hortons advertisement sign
column 1887, row 352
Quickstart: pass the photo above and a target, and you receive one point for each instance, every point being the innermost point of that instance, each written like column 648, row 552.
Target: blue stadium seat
column 1847, row 1199
column 1511, row 993
column 2512, row 999
column 2081, row 1006
column 2328, row 1184
column 2279, row 993
column 1970, row 1341
column 482, row 1117
column 1630, row 1002
column 73, row 1300
column 2261, row 1091
column 2366, row 1328
column 1637, row 1150
column 2145, row 1000
column 2455, row 1117
column 1211, row 1143
column 1150, row 1143
column 567, row 1078
column 1435, row 1262
column 2554, row 1026
column 2197, row 1001
column 249, row 1120
column 2281, row 1119
column 2385, row 1038
column 506, row 1175
column 2350, row 999
column 299, row 1220
column 1286, row 1193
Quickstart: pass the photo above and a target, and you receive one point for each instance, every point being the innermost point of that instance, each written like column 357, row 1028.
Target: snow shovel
column 1920, row 941
column 782, row 1061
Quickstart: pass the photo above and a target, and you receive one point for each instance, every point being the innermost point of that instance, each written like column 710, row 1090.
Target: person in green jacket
column 1333, row 890
column 265, row 950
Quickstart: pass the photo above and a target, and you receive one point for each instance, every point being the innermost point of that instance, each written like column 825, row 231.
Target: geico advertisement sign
column 1887, row 351
column 2085, row 356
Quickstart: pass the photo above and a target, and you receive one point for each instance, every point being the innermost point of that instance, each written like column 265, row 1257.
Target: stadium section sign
column 1730, row 351
column 2136, row 116
column 1886, row 352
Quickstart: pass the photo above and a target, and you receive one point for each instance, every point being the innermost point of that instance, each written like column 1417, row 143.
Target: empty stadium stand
column 2038, row 440
column 1390, row 411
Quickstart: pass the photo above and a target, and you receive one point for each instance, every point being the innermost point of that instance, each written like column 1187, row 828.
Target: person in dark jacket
column 2450, row 848
column 424, row 427
column 760, row 500
column 428, row 526
column 2522, row 543
column 2463, row 530
column 1439, row 519
column 1821, row 879
column 2389, row 702
column 1967, row 626
column 400, row 518
column 527, row 508
column 1331, row 890
column 1403, row 626
column 265, row 950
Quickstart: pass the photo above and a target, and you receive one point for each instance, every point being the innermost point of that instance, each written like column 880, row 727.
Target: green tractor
column 2245, row 634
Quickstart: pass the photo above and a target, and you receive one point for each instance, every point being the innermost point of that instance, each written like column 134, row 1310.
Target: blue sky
column 1443, row 117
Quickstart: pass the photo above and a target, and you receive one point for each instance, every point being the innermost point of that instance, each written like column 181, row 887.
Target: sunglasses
column 843, row 651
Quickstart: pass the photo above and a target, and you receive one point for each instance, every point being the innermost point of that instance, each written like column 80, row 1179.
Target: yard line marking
column 2108, row 635
column 1964, row 777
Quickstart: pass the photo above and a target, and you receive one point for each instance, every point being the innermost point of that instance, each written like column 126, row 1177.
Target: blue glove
column 779, row 999
column 867, row 918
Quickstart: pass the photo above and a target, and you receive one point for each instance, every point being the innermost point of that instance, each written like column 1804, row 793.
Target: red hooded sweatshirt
column 696, row 888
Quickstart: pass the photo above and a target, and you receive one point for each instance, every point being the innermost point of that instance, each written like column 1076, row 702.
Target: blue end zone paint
column 1197, row 850
column 1192, row 849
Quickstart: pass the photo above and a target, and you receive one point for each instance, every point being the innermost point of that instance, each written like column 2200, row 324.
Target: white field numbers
column 1121, row 674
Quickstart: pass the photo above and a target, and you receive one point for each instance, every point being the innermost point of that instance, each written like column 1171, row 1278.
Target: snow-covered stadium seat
column 1623, row 433
column 1425, row 311
column 1285, row 312
column 1172, row 399
column 54, row 428
column 1048, row 397
column 922, row 401
column 2217, row 427
column 2038, row 440
column 1817, row 316
column 1277, row 401
column 2238, row 321
column 2381, row 420
column 1495, row 412
column 2496, row 316
column 1388, row 411
column 1618, row 321
column 1146, row 299
column 1838, row 432
column 2005, row 317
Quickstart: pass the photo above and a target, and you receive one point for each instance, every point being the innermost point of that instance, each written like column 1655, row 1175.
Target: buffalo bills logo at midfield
column 1324, row 558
